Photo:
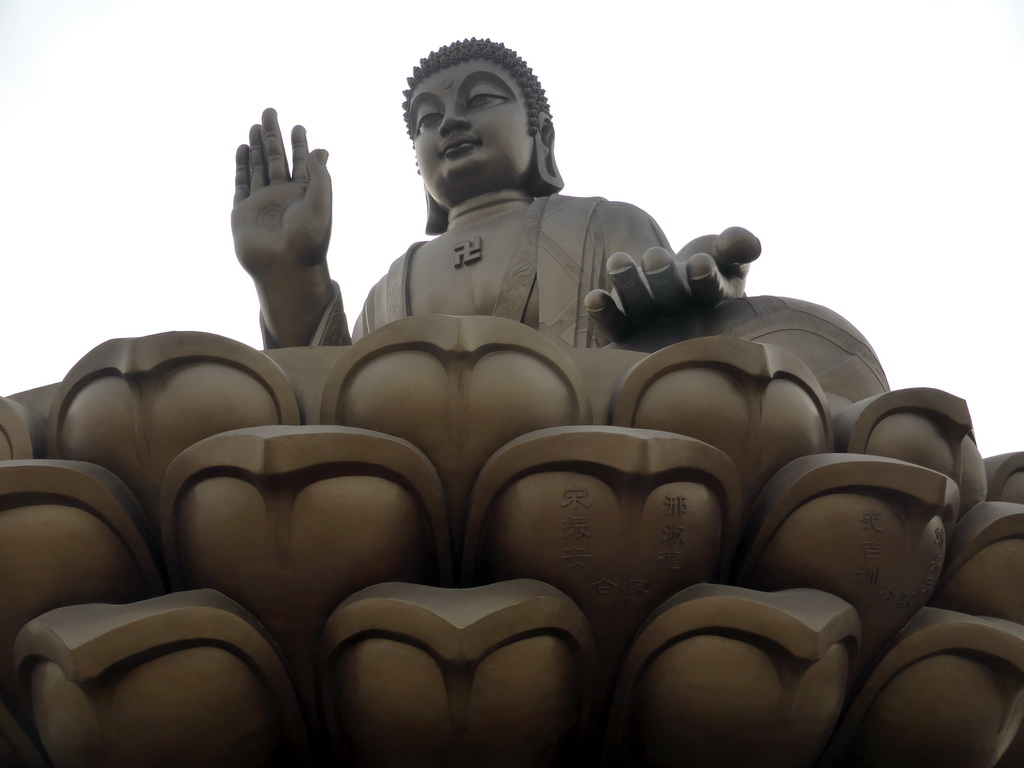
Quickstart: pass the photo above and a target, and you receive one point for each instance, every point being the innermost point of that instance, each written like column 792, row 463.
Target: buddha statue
column 508, row 244
column 535, row 509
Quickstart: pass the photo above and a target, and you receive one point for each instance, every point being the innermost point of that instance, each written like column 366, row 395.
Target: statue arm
column 331, row 330
column 281, row 225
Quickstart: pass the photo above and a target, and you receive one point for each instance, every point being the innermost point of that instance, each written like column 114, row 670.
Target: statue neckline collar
column 487, row 205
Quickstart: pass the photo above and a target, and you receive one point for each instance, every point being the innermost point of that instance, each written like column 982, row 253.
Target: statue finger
column 667, row 285
column 636, row 298
column 707, row 285
column 242, row 173
column 735, row 285
column 300, row 154
column 277, row 163
column 609, row 319
column 702, row 244
column 735, row 247
column 318, row 195
column 257, row 158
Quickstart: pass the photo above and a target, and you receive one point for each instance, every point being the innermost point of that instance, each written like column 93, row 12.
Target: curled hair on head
column 450, row 55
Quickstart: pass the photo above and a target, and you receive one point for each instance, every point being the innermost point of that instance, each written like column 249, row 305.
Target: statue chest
column 462, row 272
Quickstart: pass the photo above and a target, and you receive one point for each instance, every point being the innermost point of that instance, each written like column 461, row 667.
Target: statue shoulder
column 625, row 227
column 610, row 213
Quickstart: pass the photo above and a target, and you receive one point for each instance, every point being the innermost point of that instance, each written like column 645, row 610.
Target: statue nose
column 452, row 121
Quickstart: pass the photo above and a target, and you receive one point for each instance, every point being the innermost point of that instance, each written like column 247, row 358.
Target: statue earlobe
column 437, row 217
column 547, row 180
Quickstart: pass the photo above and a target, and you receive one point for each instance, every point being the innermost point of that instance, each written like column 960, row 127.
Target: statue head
column 480, row 122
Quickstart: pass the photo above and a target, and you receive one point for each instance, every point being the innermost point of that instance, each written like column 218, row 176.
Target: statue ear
column 437, row 217
column 547, row 180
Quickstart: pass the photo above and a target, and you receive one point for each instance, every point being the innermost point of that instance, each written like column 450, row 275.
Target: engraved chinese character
column 928, row 586
column 676, row 505
column 574, row 498
column 940, row 537
column 605, row 585
column 867, row 574
column 668, row 559
column 936, row 563
column 575, row 527
column 887, row 596
column 673, row 534
column 872, row 549
column 576, row 557
column 638, row 586
column 906, row 599
column 873, row 521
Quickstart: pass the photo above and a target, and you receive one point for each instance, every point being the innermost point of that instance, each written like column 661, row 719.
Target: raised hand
column 709, row 270
column 281, row 223
column 280, row 220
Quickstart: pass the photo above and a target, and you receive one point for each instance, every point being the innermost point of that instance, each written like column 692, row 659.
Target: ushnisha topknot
column 449, row 55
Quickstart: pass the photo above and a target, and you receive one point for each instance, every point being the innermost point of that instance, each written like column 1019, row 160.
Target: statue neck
column 482, row 207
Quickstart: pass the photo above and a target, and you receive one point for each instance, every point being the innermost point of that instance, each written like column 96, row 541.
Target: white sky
column 875, row 147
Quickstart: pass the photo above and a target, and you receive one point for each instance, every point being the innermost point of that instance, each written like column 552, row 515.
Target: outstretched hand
column 281, row 220
column 706, row 272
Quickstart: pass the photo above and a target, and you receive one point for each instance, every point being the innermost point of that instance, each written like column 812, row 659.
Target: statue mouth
column 459, row 145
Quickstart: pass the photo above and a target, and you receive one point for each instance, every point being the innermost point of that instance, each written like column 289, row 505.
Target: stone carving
column 868, row 529
column 184, row 679
column 758, row 404
column 713, row 656
column 500, row 675
column 22, row 432
column 18, row 743
column 945, row 695
column 1005, row 476
column 562, row 502
column 508, row 244
column 826, row 499
column 131, row 405
column 838, row 355
column 923, row 426
column 618, row 519
column 289, row 521
column 69, row 532
column 473, row 385
column 985, row 572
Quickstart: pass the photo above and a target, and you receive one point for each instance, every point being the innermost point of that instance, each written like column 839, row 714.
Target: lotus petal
column 984, row 572
column 757, row 403
column 70, row 532
column 946, row 694
column 721, row 676
column 618, row 519
column 1005, row 474
column 458, row 388
column 22, row 432
column 499, row 675
column 923, row 426
column 132, row 405
column 867, row 529
column 290, row 521
column 188, row 679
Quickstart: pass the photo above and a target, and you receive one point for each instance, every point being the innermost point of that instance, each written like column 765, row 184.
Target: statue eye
column 427, row 121
column 483, row 99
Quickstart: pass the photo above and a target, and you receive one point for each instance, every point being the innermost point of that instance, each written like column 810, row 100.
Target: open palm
column 281, row 220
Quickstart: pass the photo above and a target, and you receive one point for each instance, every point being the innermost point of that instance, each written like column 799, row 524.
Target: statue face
column 471, row 137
